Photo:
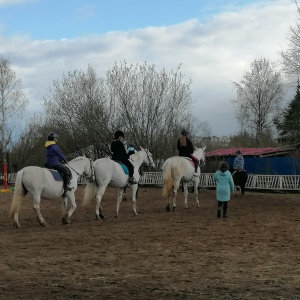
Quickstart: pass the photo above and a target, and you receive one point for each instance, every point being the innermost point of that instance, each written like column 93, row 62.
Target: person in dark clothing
column 185, row 148
column 119, row 154
column 56, row 159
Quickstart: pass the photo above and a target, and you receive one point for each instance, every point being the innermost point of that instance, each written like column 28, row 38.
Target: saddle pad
column 56, row 175
column 191, row 161
column 123, row 166
column 125, row 169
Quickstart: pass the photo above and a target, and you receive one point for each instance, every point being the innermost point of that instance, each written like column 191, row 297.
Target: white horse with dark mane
column 177, row 169
column 111, row 173
column 40, row 183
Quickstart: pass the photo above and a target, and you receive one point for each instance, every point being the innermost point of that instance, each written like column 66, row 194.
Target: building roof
column 269, row 151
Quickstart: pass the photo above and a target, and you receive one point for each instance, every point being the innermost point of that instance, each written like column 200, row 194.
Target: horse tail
column 19, row 195
column 168, row 180
column 88, row 193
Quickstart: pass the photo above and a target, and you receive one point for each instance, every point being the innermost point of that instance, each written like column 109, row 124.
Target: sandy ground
column 186, row 254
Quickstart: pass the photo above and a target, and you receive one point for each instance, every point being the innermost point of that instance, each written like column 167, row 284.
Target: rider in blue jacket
column 56, row 159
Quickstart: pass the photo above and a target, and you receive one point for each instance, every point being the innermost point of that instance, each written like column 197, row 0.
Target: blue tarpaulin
column 270, row 165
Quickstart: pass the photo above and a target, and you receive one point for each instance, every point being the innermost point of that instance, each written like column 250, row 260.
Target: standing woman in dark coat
column 119, row 154
column 186, row 148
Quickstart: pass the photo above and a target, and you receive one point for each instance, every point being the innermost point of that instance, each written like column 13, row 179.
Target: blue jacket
column 54, row 155
column 225, row 185
column 238, row 163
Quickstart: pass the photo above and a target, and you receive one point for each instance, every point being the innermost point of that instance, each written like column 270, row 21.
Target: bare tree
column 29, row 148
column 12, row 101
column 259, row 95
column 153, row 105
column 291, row 56
column 150, row 106
column 79, row 110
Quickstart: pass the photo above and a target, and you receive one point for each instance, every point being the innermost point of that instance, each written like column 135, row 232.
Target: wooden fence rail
column 261, row 182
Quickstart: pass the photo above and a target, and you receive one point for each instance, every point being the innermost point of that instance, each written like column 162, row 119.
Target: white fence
column 260, row 182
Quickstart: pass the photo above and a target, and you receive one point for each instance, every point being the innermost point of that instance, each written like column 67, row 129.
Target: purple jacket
column 54, row 155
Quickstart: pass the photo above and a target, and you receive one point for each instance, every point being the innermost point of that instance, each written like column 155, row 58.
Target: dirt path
column 187, row 254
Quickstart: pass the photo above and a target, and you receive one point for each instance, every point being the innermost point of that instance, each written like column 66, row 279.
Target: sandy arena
column 187, row 254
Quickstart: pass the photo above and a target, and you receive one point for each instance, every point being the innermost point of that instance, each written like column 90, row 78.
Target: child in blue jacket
column 225, row 187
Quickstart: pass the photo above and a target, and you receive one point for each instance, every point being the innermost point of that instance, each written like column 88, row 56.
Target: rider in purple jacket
column 56, row 159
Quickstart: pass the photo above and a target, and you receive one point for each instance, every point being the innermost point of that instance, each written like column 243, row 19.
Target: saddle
column 57, row 176
column 125, row 169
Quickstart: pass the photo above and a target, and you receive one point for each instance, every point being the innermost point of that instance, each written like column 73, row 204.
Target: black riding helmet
column 184, row 132
column 52, row 136
column 119, row 133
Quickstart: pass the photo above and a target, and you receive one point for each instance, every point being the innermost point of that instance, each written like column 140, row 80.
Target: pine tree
column 288, row 125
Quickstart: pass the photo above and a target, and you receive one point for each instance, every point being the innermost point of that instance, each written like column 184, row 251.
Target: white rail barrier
column 261, row 182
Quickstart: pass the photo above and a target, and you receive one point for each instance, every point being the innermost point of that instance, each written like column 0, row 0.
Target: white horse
column 39, row 183
column 179, row 168
column 110, row 173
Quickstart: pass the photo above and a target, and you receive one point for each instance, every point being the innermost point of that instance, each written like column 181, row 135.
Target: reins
column 91, row 178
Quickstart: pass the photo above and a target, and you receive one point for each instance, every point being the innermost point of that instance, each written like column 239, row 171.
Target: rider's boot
column 66, row 188
column 196, row 168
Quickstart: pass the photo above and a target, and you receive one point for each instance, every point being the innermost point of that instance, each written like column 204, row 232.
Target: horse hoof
column 174, row 208
column 65, row 221
column 101, row 216
column 168, row 208
column 16, row 225
column 43, row 224
column 116, row 217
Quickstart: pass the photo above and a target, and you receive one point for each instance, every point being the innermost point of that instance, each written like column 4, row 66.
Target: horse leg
column 36, row 208
column 98, row 212
column 196, row 183
column 119, row 199
column 135, row 189
column 185, row 190
column 243, row 190
column 174, row 194
column 68, row 213
column 64, row 207
column 124, row 195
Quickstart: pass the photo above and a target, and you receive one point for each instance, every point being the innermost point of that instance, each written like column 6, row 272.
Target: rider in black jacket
column 120, row 154
column 185, row 148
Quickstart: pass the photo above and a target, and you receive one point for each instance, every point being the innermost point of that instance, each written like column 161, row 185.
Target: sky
column 214, row 41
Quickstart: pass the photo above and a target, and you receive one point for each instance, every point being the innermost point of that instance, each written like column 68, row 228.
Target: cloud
column 212, row 54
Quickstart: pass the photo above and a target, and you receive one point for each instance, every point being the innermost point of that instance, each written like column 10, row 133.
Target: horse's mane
column 77, row 158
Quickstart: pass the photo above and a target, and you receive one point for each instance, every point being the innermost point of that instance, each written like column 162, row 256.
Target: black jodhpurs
column 64, row 171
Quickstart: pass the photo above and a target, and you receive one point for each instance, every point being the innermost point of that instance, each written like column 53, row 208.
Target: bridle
column 148, row 157
column 91, row 178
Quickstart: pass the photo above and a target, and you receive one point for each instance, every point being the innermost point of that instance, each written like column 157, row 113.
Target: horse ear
column 142, row 148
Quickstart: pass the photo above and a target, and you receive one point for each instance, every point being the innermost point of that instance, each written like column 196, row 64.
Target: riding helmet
column 184, row 132
column 238, row 152
column 119, row 133
column 52, row 136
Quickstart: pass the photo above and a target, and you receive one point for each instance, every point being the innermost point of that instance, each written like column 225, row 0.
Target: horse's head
column 200, row 154
column 148, row 158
